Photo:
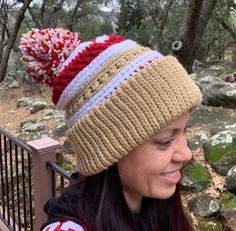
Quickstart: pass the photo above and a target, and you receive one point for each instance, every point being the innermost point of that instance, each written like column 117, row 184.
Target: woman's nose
column 182, row 153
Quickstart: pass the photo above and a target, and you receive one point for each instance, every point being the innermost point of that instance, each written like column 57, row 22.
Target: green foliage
column 209, row 224
column 171, row 30
column 141, row 34
column 218, row 85
column 138, row 26
column 91, row 20
column 91, row 27
column 225, row 198
column 229, row 205
column 216, row 42
column 67, row 166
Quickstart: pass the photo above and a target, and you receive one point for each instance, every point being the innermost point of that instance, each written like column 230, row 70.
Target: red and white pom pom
column 44, row 51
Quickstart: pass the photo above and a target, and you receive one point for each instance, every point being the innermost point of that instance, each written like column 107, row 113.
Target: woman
column 127, row 108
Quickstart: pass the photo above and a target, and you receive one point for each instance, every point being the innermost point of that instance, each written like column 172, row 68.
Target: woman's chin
column 165, row 193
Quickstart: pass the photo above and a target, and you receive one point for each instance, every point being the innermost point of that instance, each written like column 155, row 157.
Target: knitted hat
column 116, row 93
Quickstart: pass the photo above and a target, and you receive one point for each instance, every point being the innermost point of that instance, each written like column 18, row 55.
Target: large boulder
column 204, row 206
column 220, row 151
column 196, row 177
column 227, row 202
column 217, row 92
column 32, row 126
column 37, row 106
column 213, row 120
column 231, row 180
column 24, row 102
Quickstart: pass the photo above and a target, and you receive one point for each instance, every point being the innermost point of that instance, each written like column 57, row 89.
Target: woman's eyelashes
column 164, row 144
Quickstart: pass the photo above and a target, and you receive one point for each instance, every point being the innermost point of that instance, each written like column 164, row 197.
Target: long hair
column 99, row 203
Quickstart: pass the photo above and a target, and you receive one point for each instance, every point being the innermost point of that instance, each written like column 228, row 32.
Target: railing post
column 43, row 150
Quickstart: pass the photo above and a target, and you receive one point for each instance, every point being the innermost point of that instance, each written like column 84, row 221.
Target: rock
column 23, row 102
column 207, row 79
column 197, row 64
column 217, row 92
column 10, row 77
column 231, row 126
column 213, row 119
column 231, row 180
column 209, row 224
column 225, row 197
column 204, row 206
column 229, row 78
column 27, row 136
column 193, row 76
column 228, row 212
column 48, row 112
column 217, row 67
column 220, row 151
column 198, row 140
column 37, row 106
column 31, row 126
column 60, row 129
column 13, row 85
column 196, row 177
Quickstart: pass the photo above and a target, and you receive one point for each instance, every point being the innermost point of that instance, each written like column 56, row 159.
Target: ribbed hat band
column 116, row 93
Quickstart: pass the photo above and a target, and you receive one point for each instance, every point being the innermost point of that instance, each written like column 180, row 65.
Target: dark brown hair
column 98, row 202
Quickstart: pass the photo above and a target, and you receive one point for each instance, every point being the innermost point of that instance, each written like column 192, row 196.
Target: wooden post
column 43, row 150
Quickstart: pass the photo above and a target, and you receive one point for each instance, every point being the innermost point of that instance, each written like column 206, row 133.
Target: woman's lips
column 172, row 177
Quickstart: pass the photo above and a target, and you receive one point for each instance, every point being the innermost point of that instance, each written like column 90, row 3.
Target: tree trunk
column 160, row 20
column 35, row 18
column 3, row 29
column 73, row 14
column 12, row 39
column 123, row 16
column 47, row 22
column 196, row 17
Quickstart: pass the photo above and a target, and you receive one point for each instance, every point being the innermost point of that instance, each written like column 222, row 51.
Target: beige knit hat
column 116, row 93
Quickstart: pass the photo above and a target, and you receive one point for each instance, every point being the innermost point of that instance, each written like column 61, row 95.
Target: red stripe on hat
column 78, row 63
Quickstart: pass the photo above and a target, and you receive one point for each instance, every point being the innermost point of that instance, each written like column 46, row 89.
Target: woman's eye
column 164, row 144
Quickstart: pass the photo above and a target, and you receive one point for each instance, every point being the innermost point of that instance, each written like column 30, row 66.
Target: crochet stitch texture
column 116, row 95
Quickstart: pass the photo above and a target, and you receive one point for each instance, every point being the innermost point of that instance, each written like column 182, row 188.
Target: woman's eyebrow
column 173, row 131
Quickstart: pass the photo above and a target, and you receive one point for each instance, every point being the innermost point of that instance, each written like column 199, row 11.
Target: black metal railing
column 16, row 190
column 60, row 178
column 17, row 205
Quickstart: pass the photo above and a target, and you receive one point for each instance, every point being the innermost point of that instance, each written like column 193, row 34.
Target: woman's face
column 153, row 168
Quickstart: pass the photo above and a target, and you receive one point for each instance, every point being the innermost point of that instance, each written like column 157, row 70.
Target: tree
column 196, row 16
column 12, row 38
column 4, row 26
column 158, row 11
column 44, row 14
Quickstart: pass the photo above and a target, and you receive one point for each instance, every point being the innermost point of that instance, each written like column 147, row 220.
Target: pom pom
column 44, row 51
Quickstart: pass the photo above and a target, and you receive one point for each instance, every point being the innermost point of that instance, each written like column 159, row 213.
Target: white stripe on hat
column 115, row 82
column 80, row 48
column 83, row 77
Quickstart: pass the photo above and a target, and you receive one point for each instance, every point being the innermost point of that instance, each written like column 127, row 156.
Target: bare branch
column 34, row 17
column 12, row 38
column 52, row 14
column 73, row 14
column 227, row 27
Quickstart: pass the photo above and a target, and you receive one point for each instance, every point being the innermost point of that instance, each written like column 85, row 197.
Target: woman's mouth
column 172, row 177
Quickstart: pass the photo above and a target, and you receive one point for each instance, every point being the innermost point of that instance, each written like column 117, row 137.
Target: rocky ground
column 208, row 119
